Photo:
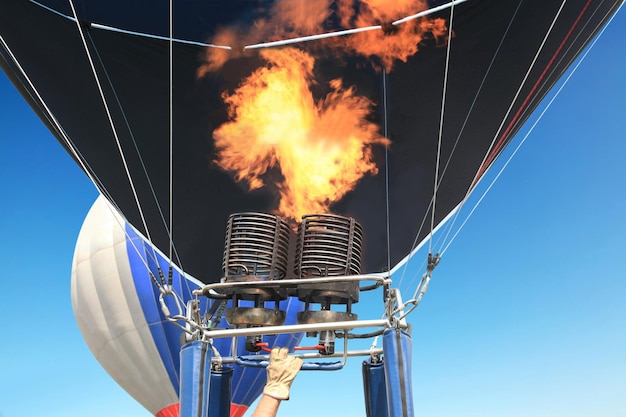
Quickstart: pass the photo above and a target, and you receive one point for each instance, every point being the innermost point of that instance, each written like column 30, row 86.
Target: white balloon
column 109, row 313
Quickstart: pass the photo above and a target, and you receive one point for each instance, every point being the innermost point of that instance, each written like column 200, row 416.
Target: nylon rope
column 265, row 44
column 386, row 133
column 132, row 137
column 524, row 105
column 114, row 92
column 170, row 229
column 451, row 225
column 96, row 182
column 432, row 204
column 519, row 90
column 482, row 169
column 111, row 123
column 554, row 68
column 465, row 121
column 540, row 117
column 441, row 120
column 171, row 133
column 503, row 119
column 457, row 209
column 72, row 150
column 116, row 136
column 301, row 39
column 50, row 116
column 480, row 88
column 154, row 256
column 77, row 156
column 131, row 32
column 162, row 38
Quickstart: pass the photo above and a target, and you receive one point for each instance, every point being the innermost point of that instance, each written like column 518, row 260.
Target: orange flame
column 392, row 43
column 322, row 148
column 289, row 19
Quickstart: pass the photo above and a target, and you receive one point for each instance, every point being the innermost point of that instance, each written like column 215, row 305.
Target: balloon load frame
column 109, row 59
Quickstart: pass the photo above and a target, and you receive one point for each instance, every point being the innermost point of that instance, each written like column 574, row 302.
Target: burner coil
column 256, row 248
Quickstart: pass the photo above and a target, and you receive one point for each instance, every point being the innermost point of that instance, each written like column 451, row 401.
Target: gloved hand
column 280, row 373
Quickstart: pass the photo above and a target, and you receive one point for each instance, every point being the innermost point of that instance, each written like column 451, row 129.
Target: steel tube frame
column 295, row 328
column 381, row 279
column 308, row 355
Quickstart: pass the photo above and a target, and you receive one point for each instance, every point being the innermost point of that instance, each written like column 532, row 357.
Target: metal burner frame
column 394, row 319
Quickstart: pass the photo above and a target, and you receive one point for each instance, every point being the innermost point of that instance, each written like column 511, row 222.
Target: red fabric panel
column 237, row 410
column 171, row 410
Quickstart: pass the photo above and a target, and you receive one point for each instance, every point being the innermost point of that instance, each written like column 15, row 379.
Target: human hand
column 281, row 372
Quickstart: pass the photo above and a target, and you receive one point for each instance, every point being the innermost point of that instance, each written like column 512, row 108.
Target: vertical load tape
column 374, row 388
column 220, row 392
column 397, row 350
column 195, row 370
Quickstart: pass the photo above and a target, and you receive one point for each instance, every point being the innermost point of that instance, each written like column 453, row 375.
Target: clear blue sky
column 525, row 315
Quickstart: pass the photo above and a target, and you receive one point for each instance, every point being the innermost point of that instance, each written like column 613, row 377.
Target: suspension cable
column 134, row 142
column 432, row 204
column 506, row 115
column 441, row 120
column 386, row 134
column 117, row 140
column 53, row 120
column 77, row 156
column 132, row 136
column 450, row 227
column 458, row 138
column 171, row 135
column 523, row 82
column 170, row 228
column 486, row 158
column 480, row 88
column 72, row 149
column 490, row 152
column 458, row 208
column 345, row 32
column 110, row 118
column 532, row 128
column 120, row 149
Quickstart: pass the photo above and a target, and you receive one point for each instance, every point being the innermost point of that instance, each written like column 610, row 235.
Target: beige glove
column 281, row 372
